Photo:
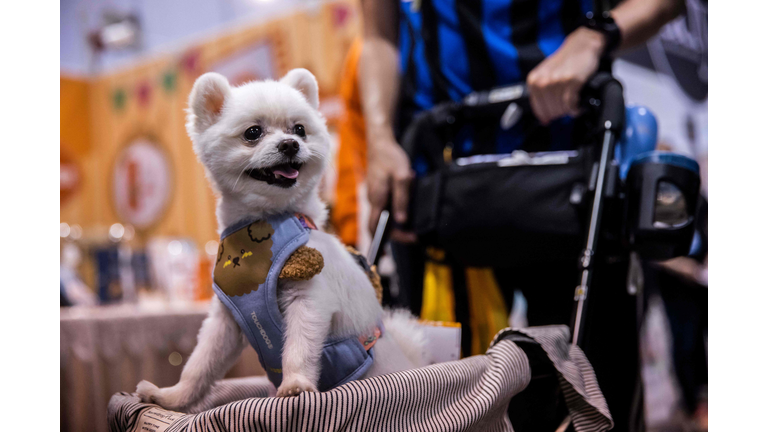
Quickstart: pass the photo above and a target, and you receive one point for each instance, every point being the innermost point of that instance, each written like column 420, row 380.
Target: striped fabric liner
column 467, row 395
column 586, row 404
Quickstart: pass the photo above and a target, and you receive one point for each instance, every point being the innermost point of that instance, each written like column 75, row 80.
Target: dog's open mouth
column 283, row 175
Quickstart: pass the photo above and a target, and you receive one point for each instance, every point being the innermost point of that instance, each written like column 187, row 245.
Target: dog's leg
column 306, row 327
column 219, row 345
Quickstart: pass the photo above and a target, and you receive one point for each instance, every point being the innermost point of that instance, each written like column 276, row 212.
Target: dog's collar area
column 369, row 340
column 305, row 221
column 283, row 175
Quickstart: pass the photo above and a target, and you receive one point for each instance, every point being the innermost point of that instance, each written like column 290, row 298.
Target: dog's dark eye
column 299, row 130
column 253, row 133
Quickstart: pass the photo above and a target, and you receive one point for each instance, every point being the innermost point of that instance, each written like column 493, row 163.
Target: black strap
column 524, row 19
column 461, row 303
column 406, row 105
column 570, row 15
column 481, row 73
column 429, row 21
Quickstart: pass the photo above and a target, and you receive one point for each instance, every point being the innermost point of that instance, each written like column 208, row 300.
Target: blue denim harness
column 251, row 255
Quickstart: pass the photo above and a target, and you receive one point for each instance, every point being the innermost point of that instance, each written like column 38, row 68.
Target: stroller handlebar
column 605, row 95
column 601, row 97
column 602, row 94
column 514, row 93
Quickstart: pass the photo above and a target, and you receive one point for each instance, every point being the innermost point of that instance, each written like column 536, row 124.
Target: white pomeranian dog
column 265, row 146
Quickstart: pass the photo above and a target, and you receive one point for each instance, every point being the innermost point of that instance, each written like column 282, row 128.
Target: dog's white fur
column 339, row 301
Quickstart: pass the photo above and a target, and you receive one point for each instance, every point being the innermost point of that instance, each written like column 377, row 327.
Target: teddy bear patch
column 244, row 259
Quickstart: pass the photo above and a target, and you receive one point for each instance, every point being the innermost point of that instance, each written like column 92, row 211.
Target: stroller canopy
column 469, row 394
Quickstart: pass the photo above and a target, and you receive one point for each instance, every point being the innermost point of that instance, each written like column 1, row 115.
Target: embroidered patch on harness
column 303, row 264
column 244, row 259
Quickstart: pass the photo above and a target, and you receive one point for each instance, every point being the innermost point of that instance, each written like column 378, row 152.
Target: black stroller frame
column 604, row 94
column 612, row 122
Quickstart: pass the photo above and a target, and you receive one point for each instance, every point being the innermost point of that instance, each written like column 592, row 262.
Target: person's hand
column 555, row 83
column 389, row 171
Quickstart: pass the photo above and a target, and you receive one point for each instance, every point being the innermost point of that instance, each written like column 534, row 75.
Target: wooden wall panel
column 75, row 127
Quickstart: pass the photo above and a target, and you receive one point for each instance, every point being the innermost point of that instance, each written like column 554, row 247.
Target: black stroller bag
column 534, row 202
column 459, row 209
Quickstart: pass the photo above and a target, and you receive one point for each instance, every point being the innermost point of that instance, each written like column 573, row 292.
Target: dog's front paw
column 171, row 398
column 295, row 384
column 147, row 391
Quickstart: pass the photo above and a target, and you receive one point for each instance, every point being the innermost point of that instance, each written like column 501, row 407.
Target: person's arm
column 389, row 169
column 555, row 83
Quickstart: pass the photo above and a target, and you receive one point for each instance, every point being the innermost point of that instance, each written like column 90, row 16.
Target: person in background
column 419, row 53
column 682, row 284
column 351, row 163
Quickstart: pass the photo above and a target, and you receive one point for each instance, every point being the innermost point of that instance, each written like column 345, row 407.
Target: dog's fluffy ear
column 206, row 101
column 303, row 81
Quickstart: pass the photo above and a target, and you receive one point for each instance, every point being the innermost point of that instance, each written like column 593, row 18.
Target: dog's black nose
column 288, row 147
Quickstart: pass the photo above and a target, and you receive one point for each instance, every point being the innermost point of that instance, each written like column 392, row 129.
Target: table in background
column 108, row 349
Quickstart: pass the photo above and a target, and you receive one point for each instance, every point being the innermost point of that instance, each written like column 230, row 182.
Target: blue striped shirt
column 449, row 48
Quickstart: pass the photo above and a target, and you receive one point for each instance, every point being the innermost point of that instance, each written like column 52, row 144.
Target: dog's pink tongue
column 287, row 172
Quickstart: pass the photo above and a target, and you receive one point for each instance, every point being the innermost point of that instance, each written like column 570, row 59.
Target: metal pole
column 580, row 296
column 378, row 237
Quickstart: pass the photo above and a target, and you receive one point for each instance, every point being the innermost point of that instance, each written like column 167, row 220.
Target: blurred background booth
column 138, row 228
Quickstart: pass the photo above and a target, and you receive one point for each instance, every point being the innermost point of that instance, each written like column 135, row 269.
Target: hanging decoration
column 169, row 81
column 119, row 99
column 144, row 93
column 190, row 62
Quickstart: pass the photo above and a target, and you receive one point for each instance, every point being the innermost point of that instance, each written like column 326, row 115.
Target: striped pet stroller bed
column 472, row 394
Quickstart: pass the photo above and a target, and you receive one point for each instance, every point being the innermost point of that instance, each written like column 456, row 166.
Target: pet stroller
column 540, row 374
